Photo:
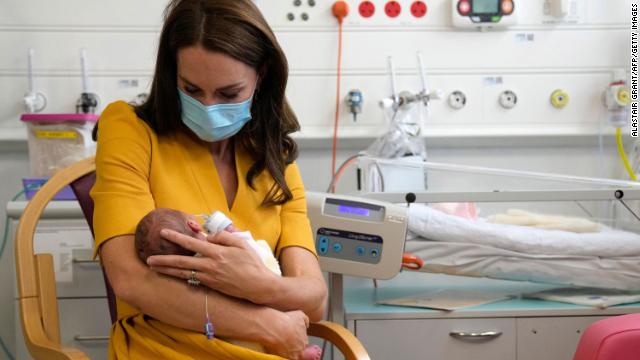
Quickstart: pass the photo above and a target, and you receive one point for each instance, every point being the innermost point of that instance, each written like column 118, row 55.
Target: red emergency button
column 506, row 7
column 464, row 7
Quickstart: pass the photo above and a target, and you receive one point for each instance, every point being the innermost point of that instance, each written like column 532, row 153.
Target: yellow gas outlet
column 623, row 97
column 559, row 99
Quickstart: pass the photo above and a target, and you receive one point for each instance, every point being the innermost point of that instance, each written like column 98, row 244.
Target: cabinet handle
column 475, row 335
column 91, row 338
column 85, row 261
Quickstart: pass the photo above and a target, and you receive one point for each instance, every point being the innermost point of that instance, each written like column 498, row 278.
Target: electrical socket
column 393, row 9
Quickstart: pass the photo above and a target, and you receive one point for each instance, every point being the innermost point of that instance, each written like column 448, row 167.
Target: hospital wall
column 533, row 58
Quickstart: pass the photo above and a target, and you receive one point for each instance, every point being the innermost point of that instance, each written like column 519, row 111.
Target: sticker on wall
column 525, row 37
column 492, row 80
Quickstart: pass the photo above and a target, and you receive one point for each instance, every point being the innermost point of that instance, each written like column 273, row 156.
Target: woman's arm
column 301, row 286
column 230, row 266
column 171, row 301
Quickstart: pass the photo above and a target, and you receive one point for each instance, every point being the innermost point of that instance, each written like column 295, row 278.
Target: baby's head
column 148, row 241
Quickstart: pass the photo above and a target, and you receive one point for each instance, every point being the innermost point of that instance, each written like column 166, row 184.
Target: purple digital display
column 353, row 210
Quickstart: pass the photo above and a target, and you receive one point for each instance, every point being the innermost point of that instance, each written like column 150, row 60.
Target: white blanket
column 485, row 261
column 438, row 226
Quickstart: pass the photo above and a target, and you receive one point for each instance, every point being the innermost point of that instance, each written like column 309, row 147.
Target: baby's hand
column 231, row 229
column 196, row 228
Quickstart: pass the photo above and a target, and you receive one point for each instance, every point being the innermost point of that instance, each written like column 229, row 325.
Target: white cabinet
column 434, row 339
column 82, row 303
column 528, row 329
column 550, row 337
column 85, row 325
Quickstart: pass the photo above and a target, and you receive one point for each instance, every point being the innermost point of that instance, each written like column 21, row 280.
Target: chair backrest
column 81, row 188
column 36, row 277
column 614, row 338
column 35, row 274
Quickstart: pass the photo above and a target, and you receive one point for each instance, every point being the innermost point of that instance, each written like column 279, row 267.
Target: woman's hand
column 227, row 265
column 289, row 335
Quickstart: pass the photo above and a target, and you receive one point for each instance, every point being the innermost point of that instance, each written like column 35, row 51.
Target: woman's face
column 214, row 78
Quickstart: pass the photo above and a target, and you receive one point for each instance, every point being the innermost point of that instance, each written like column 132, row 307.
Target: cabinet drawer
column 83, row 322
column 551, row 338
column 87, row 276
column 438, row 339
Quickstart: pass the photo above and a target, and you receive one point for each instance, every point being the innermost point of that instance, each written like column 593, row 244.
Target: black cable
column 5, row 349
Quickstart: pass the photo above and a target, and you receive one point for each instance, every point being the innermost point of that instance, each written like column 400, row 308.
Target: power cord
column 340, row 10
column 338, row 174
column 623, row 155
column 5, row 349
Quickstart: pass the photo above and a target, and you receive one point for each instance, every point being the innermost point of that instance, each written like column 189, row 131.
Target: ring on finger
column 193, row 280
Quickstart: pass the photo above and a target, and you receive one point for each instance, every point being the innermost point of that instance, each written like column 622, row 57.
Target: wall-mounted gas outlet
column 559, row 99
column 508, row 99
column 457, row 100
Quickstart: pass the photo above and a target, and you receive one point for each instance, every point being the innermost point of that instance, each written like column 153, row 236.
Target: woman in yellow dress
column 213, row 135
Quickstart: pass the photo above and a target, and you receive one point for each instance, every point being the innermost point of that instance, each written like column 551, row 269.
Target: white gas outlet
column 508, row 99
column 457, row 100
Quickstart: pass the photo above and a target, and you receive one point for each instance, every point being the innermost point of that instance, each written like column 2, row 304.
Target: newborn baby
column 148, row 242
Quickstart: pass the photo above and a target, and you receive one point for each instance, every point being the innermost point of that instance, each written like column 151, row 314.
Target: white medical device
column 484, row 14
column 356, row 236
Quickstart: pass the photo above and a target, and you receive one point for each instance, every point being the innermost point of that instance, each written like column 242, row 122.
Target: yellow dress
column 138, row 171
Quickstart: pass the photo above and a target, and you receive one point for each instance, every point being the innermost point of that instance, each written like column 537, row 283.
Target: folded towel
column 549, row 222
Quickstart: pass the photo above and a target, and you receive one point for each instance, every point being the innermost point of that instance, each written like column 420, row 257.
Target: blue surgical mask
column 215, row 122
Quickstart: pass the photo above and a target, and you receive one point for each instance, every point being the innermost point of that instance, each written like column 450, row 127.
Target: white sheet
column 438, row 226
column 485, row 261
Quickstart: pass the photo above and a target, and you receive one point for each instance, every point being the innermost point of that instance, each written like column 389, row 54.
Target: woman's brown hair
column 235, row 28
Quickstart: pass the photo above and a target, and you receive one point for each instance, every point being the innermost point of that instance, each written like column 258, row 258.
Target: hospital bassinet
column 481, row 222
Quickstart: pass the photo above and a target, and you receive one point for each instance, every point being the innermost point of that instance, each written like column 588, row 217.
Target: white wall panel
column 364, row 51
column 533, row 58
column 59, row 52
column 368, row 50
column 89, row 13
column 482, row 114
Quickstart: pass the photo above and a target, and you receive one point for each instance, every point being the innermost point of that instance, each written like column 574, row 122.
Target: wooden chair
column 37, row 285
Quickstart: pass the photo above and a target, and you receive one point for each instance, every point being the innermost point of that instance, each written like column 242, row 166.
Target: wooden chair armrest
column 60, row 353
column 39, row 344
column 342, row 338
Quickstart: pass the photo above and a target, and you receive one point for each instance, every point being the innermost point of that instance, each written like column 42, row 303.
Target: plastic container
column 58, row 140
column 32, row 185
